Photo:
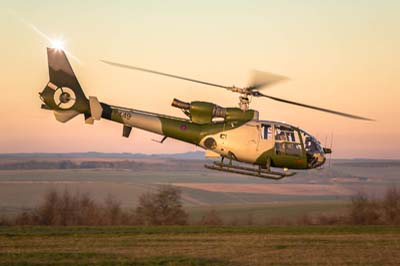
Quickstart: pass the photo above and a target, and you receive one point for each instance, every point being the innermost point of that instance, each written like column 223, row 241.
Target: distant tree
column 364, row 210
column 163, row 207
column 67, row 165
column 305, row 219
column 113, row 212
column 64, row 208
column 4, row 221
column 211, row 218
column 250, row 219
column 391, row 205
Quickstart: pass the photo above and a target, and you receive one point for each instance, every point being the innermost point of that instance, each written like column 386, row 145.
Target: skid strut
column 263, row 173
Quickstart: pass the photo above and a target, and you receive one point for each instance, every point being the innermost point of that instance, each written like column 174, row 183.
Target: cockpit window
column 287, row 141
column 311, row 145
column 314, row 150
column 266, row 131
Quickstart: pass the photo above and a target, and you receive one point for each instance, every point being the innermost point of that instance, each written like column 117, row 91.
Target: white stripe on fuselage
column 142, row 121
column 244, row 142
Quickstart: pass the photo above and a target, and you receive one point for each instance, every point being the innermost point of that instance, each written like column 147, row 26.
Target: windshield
column 314, row 150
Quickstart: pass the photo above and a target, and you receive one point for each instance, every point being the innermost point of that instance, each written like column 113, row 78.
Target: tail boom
column 65, row 97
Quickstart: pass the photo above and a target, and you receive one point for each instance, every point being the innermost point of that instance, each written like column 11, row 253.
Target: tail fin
column 63, row 93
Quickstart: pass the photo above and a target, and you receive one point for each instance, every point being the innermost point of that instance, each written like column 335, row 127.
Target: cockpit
column 294, row 144
column 314, row 150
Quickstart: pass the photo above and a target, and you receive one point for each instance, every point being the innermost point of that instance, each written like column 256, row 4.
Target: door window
column 287, row 141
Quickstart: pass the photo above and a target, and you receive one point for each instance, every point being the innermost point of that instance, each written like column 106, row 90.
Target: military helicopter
column 232, row 133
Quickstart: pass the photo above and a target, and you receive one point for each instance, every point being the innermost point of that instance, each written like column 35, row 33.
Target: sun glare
column 58, row 44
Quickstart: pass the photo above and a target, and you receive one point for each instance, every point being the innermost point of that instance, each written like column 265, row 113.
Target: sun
column 57, row 44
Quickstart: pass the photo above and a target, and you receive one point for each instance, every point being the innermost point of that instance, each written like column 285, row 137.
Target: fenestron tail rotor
column 260, row 80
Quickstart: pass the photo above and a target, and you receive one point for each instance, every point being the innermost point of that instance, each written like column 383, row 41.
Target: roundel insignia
column 183, row 127
column 64, row 97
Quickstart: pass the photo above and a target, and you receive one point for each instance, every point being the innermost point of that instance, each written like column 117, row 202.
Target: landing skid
column 236, row 169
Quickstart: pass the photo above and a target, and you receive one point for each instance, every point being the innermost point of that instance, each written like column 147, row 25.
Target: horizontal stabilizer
column 64, row 116
column 88, row 119
column 95, row 108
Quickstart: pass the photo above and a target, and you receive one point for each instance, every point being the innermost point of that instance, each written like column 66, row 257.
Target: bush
column 64, row 208
column 391, row 206
column 367, row 210
column 163, row 207
column 211, row 218
column 4, row 221
column 364, row 210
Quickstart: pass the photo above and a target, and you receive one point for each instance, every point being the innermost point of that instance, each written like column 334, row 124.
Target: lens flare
column 58, row 44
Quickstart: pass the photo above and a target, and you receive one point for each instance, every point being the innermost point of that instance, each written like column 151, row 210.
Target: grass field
column 192, row 245
column 266, row 213
column 202, row 191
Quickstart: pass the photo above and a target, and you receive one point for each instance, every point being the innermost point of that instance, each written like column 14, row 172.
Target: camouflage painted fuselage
column 236, row 134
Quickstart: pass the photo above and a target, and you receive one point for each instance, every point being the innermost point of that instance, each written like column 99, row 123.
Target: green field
column 191, row 245
column 240, row 200
column 267, row 213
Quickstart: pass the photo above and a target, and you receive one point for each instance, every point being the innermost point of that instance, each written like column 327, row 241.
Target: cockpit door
column 289, row 150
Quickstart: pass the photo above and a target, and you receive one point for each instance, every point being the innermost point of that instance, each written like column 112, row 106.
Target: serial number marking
column 125, row 115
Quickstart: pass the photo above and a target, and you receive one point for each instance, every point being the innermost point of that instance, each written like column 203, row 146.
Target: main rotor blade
column 257, row 94
column 261, row 80
column 164, row 74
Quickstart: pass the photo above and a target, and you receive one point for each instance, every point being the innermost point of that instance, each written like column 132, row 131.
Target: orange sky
column 339, row 55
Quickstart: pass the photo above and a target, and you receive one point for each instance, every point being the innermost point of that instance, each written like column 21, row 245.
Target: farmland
column 238, row 200
column 193, row 245
column 26, row 178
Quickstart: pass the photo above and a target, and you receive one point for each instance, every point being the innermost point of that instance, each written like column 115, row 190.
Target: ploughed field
column 25, row 179
column 193, row 245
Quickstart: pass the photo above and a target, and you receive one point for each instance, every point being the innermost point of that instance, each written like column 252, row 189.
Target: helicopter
column 232, row 133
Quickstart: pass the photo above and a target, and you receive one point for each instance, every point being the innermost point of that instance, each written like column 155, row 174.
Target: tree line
column 68, row 164
column 99, row 164
column 63, row 208
column 164, row 207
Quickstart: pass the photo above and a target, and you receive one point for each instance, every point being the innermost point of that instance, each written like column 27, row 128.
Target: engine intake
column 180, row 104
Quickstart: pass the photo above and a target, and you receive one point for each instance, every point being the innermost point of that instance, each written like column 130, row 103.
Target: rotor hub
column 244, row 102
column 65, row 97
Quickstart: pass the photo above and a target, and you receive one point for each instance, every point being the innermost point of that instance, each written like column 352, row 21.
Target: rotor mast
column 244, row 102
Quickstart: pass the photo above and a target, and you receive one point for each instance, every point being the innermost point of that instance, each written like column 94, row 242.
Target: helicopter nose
column 321, row 159
column 317, row 160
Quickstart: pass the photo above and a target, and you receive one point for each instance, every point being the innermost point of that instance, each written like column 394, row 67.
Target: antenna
column 330, row 155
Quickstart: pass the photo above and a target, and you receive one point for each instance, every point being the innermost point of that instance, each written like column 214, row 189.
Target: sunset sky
column 342, row 55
